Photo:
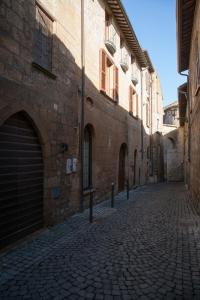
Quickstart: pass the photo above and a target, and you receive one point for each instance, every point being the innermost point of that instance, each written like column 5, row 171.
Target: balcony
column 110, row 37
column 134, row 79
column 124, row 63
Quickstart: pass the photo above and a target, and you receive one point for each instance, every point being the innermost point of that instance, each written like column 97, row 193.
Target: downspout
column 141, row 131
column 82, row 103
column 151, row 131
column 189, row 125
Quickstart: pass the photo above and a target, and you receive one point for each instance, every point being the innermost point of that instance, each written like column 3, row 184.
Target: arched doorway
column 122, row 167
column 135, row 167
column 21, row 179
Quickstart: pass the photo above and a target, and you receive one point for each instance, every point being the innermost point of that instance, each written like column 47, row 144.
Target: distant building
column 172, row 143
column 171, row 114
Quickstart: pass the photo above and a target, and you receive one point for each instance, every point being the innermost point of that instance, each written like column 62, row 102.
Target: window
column 133, row 102
column 87, row 158
column 110, row 34
column 108, row 76
column 43, row 39
column 147, row 82
column 147, row 113
column 124, row 56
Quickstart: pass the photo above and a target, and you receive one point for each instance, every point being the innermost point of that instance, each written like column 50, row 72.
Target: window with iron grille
column 43, row 39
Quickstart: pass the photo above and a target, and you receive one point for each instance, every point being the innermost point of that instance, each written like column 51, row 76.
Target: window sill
column 108, row 97
column 45, row 71
column 132, row 115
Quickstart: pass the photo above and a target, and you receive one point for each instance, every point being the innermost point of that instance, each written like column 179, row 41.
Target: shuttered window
column 116, row 82
column 102, row 70
column 131, row 99
column 136, row 112
column 147, row 115
column 43, row 39
column 133, row 102
column 109, row 78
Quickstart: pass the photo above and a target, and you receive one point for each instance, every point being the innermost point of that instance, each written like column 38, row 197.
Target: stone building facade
column 188, row 42
column 171, row 114
column 77, row 96
column 173, row 140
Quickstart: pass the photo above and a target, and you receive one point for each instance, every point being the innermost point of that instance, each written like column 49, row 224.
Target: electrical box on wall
column 71, row 165
column 74, row 164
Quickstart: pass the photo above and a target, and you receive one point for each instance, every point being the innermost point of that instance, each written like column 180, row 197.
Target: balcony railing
column 124, row 61
column 110, row 37
column 134, row 78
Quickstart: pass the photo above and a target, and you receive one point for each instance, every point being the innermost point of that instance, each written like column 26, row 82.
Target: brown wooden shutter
column 130, row 99
column 136, row 105
column 102, row 70
column 147, row 114
column 116, row 83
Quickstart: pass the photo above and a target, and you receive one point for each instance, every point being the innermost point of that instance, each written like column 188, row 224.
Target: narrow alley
column 147, row 247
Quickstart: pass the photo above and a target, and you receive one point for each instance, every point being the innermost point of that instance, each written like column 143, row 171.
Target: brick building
column 78, row 98
column 188, row 43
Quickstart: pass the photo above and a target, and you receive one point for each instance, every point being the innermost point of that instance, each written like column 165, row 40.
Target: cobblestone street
column 147, row 247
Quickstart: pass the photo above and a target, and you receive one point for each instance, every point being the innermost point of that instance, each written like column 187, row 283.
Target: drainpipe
column 82, row 102
column 189, row 126
column 141, row 131
column 151, row 129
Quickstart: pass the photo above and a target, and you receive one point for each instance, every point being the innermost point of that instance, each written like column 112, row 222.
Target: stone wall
column 194, row 118
column 51, row 103
column 173, row 144
column 52, row 99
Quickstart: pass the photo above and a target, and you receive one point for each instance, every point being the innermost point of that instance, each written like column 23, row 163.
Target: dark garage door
column 21, row 180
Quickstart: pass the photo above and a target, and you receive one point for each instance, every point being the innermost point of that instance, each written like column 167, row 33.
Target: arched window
column 87, row 159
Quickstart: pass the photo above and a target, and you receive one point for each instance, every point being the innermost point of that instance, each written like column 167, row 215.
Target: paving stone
column 144, row 248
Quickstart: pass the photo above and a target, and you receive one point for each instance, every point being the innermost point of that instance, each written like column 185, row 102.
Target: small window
column 43, row 39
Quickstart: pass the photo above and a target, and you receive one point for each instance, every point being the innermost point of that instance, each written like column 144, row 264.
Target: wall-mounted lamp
column 64, row 147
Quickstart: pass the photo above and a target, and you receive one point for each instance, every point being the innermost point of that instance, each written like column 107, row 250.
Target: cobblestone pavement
column 147, row 247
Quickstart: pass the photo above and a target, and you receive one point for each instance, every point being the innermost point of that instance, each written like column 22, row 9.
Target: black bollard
column 127, row 191
column 112, row 194
column 91, row 205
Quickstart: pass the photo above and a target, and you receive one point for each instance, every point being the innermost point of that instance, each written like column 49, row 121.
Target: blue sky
column 154, row 22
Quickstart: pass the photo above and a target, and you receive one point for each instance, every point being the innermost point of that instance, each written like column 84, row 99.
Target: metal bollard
column 112, row 194
column 127, row 191
column 91, row 205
